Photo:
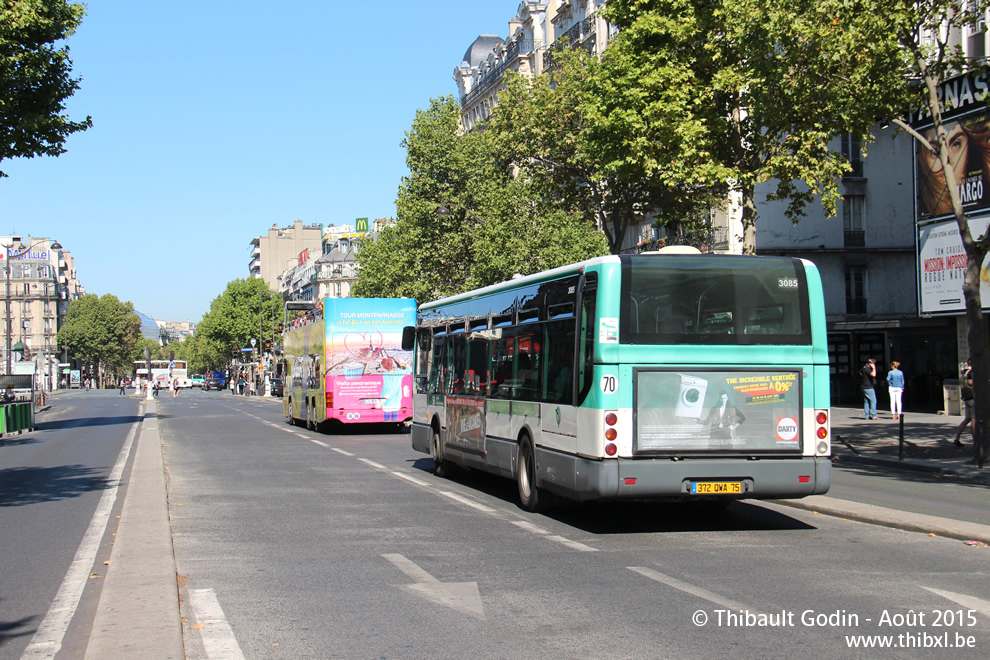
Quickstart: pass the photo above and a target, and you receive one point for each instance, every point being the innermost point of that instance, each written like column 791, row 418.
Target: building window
column 852, row 220
column 852, row 152
column 856, row 290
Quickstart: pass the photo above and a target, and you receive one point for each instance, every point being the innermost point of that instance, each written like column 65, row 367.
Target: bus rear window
column 709, row 299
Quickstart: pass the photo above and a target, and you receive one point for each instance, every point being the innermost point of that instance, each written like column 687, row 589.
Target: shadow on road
column 30, row 485
column 77, row 422
column 634, row 517
column 15, row 628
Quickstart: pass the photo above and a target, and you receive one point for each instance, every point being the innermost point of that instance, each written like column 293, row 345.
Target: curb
column 971, row 474
column 877, row 515
column 138, row 613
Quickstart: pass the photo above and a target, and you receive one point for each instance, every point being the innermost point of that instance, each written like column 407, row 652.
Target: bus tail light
column 822, row 432
column 611, row 433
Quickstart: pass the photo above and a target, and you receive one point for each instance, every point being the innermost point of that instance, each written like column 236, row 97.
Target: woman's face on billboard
column 957, row 142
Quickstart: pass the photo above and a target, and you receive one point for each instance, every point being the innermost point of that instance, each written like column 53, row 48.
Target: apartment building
column 40, row 278
column 279, row 250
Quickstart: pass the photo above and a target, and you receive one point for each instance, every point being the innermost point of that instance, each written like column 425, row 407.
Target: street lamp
column 19, row 249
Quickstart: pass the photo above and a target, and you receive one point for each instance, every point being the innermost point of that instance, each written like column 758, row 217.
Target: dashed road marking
column 341, row 451
column 218, row 638
column 466, row 502
column 370, row 462
column 688, row 588
column 414, row 480
column 573, row 545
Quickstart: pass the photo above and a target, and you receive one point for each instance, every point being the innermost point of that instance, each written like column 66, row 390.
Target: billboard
column 718, row 411
column 942, row 266
column 969, row 149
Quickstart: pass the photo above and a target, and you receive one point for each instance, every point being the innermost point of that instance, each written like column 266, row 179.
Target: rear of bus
column 710, row 380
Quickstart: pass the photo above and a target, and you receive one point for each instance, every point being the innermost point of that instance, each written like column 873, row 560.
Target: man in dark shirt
column 869, row 382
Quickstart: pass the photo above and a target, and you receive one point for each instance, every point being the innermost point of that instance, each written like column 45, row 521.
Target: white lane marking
column 461, row 596
column 372, row 463
column 687, row 588
column 573, row 545
column 465, row 501
column 529, row 527
column 317, row 442
column 218, row 638
column 341, row 451
column 410, row 568
column 414, row 480
column 969, row 602
column 48, row 639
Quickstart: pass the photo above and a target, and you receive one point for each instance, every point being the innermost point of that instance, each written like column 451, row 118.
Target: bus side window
column 586, row 344
column 476, row 376
column 500, row 386
column 436, row 365
column 559, row 358
column 528, row 361
column 424, row 357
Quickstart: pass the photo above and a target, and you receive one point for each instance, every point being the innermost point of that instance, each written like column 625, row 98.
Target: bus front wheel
column 529, row 494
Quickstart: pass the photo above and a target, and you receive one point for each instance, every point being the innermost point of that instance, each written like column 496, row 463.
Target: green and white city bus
column 668, row 376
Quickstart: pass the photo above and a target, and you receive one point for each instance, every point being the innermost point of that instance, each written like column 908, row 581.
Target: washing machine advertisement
column 710, row 411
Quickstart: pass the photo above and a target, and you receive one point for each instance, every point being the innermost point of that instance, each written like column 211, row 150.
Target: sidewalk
column 927, row 443
column 927, row 447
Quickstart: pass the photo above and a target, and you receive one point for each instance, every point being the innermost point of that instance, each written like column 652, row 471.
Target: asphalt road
column 291, row 544
column 51, row 481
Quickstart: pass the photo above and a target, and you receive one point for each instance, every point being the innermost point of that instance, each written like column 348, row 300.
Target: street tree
column 733, row 92
column 102, row 332
column 247, row 309
column 919, row 45
column 463, row 221
column 35, row 77
column 550, row 128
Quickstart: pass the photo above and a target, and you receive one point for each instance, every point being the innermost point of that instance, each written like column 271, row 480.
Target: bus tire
column 441, row 466
column 310, row 417
column 529, row 494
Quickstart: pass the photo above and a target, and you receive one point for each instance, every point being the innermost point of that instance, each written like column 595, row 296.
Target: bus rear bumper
column 662, row 478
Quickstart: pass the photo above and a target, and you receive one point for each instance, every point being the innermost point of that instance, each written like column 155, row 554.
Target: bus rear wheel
column 529, row 494
column 310, row 417
column 441, row 467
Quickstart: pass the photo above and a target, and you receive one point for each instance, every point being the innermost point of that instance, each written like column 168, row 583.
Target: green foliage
column 101, row 331
column 463, row 220
column 35, row 77
column 246, row 309
column 740, row 91
column 551, row 128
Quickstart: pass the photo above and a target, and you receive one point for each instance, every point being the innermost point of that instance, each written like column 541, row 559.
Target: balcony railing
column 494, row 76
column 581, row 33
column 856, row 306
column 854, row 238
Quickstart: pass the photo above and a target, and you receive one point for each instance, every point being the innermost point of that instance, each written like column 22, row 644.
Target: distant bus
column 162, row 371
column 681, row 377
column 343, row 360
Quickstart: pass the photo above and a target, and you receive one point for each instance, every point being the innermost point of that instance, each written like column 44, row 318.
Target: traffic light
column 236, row 352
column 280, row 327
column 268, row 345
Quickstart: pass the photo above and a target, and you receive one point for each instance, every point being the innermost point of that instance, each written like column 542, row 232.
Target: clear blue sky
column 213, row 120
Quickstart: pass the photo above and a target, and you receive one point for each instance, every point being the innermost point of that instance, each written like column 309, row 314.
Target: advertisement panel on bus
column 368, row 375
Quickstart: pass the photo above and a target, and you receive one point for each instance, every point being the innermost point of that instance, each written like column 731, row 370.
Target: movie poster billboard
column 713, row 411
column 366, row 369
column 942, row 266
column 969, row 151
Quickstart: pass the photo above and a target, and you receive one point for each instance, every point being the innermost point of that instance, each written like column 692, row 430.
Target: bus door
column 558, row 416
column 465, row 401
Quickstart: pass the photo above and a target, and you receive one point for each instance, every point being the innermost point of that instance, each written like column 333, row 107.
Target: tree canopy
column 101, row 331
column 463, row 220
column 247, row 309
column 35, row 77
column 737, row 92
column 550, row 128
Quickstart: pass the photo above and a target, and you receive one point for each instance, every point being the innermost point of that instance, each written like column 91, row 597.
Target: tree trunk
column 978, row 354
column 749, row 220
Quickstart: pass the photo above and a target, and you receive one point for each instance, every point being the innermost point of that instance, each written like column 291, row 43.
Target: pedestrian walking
column 175, row 387
column 868, row 374
column 966, row 394
column 895, row 383
column 123, row 384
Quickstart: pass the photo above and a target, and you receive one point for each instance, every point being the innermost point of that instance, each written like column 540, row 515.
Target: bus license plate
column 716, row 488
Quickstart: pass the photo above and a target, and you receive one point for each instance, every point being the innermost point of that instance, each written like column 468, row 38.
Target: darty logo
column 787, row 429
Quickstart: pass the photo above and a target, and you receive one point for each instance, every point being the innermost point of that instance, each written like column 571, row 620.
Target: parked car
column 212, row 384
column 197, row 380
column 277, row 387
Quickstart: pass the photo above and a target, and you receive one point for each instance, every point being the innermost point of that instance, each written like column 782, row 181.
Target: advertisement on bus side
column 716, row 411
